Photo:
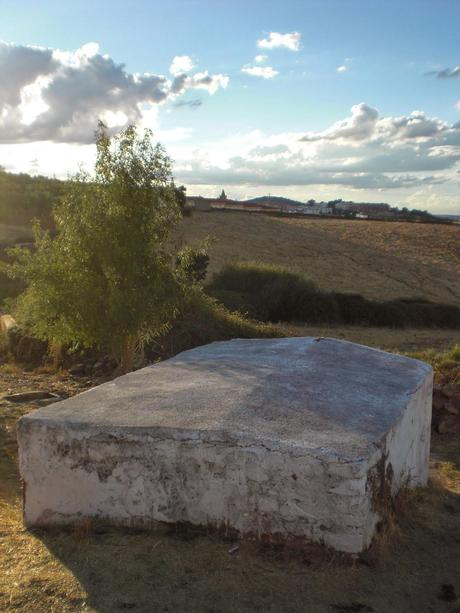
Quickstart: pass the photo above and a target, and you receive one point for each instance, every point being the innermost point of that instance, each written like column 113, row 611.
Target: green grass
column 203, row 320
column 446, row 364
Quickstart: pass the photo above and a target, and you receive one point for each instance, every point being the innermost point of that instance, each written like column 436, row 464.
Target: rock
column 24, row 348
column 446, row 424
column 32, row 395
column 277, row 438
column 7, row 325
column 455, row 399
column 451, row 408
column 438, row 398
column 78, row 370
column 450, row 390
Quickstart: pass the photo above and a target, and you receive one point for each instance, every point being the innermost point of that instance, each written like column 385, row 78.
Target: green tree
column 107, row 279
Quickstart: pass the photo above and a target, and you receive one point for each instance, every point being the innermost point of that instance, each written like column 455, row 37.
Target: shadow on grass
column 274, row 293
column 187, row 570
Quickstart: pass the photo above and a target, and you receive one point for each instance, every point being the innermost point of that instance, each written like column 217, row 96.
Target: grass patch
column 446, row 364
column 203, row 320
column 273, row 293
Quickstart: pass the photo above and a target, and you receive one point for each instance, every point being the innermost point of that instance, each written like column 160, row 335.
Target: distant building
column 362, row 210
column 199, row 203
column 369, row 208
column 319, row 208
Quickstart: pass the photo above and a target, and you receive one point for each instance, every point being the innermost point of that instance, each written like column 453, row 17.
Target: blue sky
column 353, row 98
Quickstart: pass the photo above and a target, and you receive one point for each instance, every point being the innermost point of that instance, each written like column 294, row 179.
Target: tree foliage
column 192, row 262
column 107, row 278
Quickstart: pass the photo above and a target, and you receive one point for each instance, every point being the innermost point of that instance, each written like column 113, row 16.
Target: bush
column 272, row 293
column 202, row 320
column 106, row 278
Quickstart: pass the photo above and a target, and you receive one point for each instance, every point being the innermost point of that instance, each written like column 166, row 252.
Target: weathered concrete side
column 257, row 462
column 402, row 461
column 131, row 479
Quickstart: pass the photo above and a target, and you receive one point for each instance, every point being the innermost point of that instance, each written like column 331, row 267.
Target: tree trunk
column 125, row 353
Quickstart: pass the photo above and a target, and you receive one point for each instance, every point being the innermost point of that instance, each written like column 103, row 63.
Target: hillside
column 23, row 198
column 380, row 260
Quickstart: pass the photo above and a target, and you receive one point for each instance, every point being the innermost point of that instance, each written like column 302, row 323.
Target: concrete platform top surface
column 322, row 396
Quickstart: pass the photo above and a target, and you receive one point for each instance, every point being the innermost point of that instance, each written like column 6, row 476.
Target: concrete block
column 303, row 437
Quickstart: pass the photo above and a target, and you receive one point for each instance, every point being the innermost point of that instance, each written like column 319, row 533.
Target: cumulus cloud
column 275, row 40
column 181, row 64
column 342, row 68
column 359, row 126
column 260, row 59
column 59, row 95
column 364, row 124
column 363, row 151
column 200, row 80
column 265, row 72
column 294, row 171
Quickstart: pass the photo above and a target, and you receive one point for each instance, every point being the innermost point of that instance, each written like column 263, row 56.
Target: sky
column 323, row 99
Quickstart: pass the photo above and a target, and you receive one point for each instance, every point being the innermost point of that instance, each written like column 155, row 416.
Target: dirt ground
column 413, row 566
column 379, row 260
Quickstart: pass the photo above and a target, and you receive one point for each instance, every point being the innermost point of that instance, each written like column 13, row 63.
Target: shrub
column 272, row 293
column 201, row 320
column 192, row 262
column 106, row 279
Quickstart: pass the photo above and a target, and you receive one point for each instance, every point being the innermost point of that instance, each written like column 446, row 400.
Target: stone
column 439, row 399
column 278, row 438
column 451, row 408
column 446, row 424
column 31, row 396
column 78, row 370
column 7, row 325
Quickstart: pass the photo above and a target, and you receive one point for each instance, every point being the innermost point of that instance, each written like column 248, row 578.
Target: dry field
column 380, row 260
column 388, row 339
column 10, row 233
column 413, row 568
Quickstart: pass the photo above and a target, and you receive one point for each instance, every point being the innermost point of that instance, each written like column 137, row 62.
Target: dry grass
column 412, row 568
column 95, row 569
column 10, row 233
column 389, row 339
column 380, row 260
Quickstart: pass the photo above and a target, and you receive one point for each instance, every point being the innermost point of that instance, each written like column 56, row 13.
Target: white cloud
column 359, row 126
column 203, row 80
column 275, row 40
column 260, row 59
column 59, row 95
column 342, row 68
column 364, row 152
column 457, row 105
column 266, row 72
column 181, row 64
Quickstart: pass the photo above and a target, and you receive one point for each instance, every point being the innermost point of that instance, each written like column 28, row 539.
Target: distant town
column 332, row 208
